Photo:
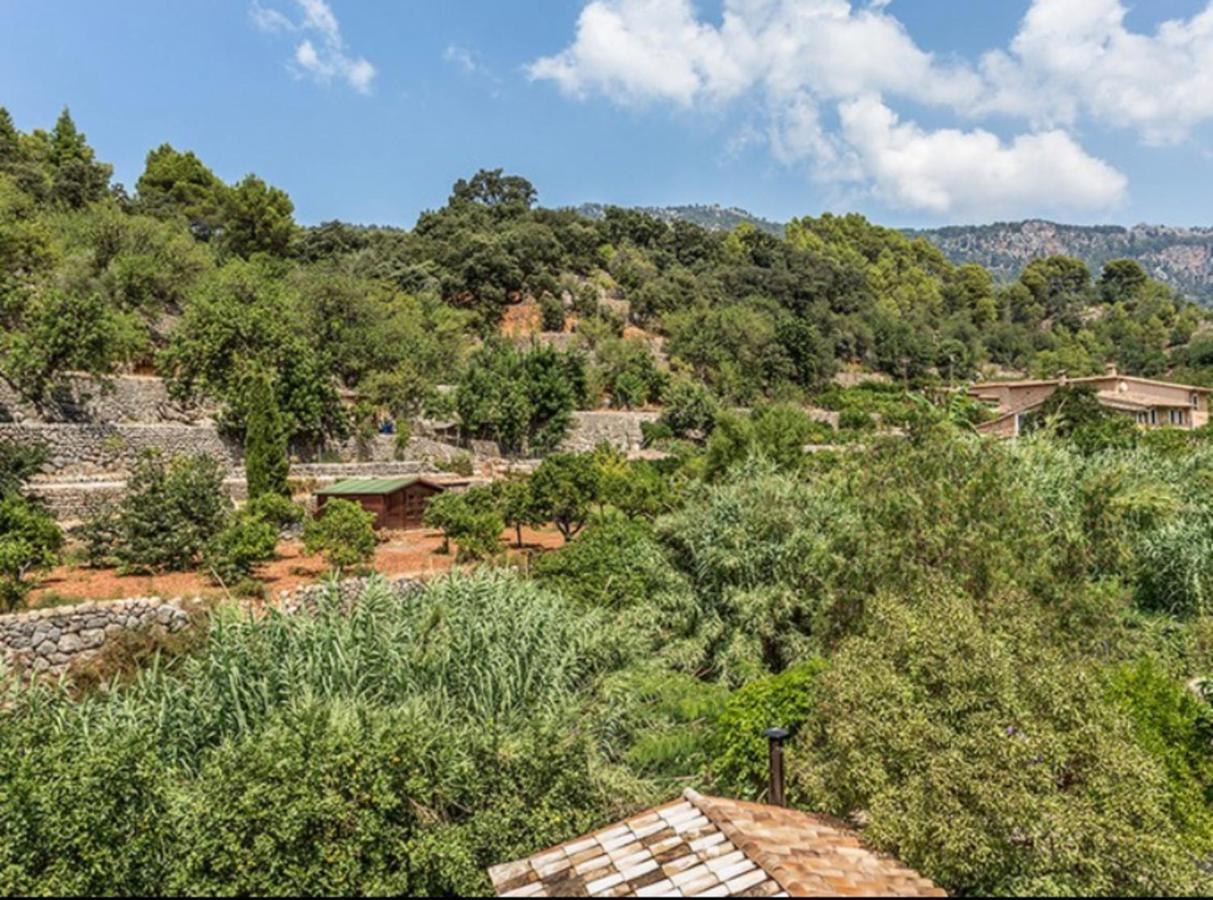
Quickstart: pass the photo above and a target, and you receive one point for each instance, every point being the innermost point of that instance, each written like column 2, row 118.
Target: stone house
column 1151, row 403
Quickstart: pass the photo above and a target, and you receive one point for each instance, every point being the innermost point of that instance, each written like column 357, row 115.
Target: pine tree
column 78, row 179
column 10, row 149
column 266, row 465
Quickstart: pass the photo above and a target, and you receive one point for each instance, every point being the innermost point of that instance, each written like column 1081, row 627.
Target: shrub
column 471, row 519
column 986, row 758
column 29, row 540
column 551, row 313
column 1176, row 729
column 276, row 509
column 855, row 420
column 343, row 533
column 246, row 540
column 616, row 562
column 739, row 763
column 171, row 512
column 689, row 408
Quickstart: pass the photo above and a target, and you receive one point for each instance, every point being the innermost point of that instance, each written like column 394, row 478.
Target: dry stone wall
column 97, row 448
column 47, row 641
column 619, row 429
column 81, row 399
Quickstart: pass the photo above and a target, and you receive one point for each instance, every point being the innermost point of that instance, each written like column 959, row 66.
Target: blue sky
column 914, row 112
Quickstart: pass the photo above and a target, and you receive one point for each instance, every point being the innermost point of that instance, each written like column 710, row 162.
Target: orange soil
column 399, row 553
column 521, row 319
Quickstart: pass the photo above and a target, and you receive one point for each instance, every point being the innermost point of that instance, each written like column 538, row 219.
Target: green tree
column 565, row 486
column 343, row 533
column 29, row 540
column 174, row 183
column 171, row 512
column 77, row 178
column 266, row 464
column 516, row 501
column 257, row 218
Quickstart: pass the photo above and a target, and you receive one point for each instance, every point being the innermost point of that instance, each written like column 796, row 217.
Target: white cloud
column 957, row 172
column 817, row 66
column 1076, row 57
column 461, row 57
column 324, row 59
column 638, row 50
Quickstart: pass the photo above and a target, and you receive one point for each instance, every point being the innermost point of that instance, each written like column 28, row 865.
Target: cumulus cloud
column 818, row 67
column 1074, row 58
column 321, row 53
column 961, row 172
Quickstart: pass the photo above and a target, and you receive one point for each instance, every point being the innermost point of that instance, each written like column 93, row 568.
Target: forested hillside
column 204, row 282
column 994, row 656
column 1179, row 257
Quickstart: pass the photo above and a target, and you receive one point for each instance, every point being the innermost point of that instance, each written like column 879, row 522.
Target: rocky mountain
column 1181, row 257
column 711, row 216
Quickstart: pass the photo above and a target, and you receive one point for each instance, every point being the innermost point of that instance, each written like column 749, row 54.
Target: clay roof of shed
column 707, row 846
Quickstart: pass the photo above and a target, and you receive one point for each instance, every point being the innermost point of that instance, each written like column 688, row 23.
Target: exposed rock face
column 1180, row 257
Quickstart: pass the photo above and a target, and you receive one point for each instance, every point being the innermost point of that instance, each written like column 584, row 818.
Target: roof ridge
column 769, row 862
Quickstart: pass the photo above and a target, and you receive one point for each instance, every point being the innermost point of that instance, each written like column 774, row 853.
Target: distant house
column 398, row 503
column 1151, row 403
column 710, row 847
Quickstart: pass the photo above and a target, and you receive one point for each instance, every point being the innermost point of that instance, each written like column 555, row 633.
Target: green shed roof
column 355, row 486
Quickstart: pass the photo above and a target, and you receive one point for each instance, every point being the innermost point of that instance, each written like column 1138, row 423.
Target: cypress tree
column 266, row 465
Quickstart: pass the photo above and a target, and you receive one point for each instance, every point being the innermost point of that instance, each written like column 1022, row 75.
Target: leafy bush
column 551, row 313
column 981, row 778
column 739, row 763
column 688, row 407
column 471, row 518
column 343, row 533
column 245, row 540
column 29, row 540
column 615, row 562
column 170, row 513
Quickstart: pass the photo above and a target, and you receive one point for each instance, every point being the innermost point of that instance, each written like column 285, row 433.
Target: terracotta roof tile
column 711, row 847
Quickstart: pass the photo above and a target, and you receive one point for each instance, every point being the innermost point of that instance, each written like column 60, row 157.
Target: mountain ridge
column 1181, row 256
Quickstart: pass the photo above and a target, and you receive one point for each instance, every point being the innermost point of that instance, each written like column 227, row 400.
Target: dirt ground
column 398, row 553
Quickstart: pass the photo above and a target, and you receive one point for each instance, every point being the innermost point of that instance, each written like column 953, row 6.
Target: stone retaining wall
column 619, row 429
column 95, row 449
column 81, row 399
column 49, row 640
column 305, row 599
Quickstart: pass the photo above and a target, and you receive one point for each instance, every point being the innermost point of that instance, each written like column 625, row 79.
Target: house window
column 1177, row 417
column 1195, row 400
column 1153, row 417
column 1143, row 418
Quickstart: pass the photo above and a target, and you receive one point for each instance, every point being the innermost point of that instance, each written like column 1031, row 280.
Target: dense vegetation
column 990, row 653
column 215, row 286
column 982, row 649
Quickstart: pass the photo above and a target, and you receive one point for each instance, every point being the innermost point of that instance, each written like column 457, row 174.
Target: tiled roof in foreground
column 710, row 847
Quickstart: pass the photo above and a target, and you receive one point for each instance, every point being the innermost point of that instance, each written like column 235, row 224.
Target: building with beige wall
column 1151, row 403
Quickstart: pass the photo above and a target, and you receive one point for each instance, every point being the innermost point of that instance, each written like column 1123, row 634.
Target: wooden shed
column 398, row 503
